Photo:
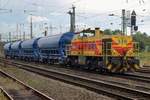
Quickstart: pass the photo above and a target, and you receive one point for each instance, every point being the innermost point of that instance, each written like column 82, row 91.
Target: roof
column 16, row 45
column 29, row 44
column 7, row 46
column 55, row 40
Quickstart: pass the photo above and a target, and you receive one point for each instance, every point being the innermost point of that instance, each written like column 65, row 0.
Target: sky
column 15, row 15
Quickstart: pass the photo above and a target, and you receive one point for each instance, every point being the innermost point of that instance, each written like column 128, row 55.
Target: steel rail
column 130, row 76
column 36, row 92
column 6, row 94
column 98, row 86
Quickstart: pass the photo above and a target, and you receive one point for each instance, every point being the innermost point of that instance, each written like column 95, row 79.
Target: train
column 90, row 49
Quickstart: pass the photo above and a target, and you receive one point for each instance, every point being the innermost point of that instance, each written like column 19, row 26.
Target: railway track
column 107, row 88
column 134, row 76
column 143, row 73
column 129, row 76
column 145, row 69
column 4, row 93
column 19, row 90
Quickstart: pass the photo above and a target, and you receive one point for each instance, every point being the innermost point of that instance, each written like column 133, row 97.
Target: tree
column 107, row 32
column 112, row 32
column 116, row 32
column 143, row 39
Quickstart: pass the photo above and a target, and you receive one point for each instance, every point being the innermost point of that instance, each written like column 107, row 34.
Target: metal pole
column 123, row 22
column 24, row 35
column 131, row 30
column 20, row 32
column 46, row 31
column 71, row 22
column 17, row 31
column 0, row 37
column 73, row 18
column 31, row 28
column 51, row 29
column 9, row 36
column 60, row 29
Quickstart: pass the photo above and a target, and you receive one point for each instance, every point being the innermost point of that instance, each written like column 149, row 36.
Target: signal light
column 133, row 18
column 135, row 28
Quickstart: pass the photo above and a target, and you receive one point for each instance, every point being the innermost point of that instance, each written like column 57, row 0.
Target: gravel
column 53, row 88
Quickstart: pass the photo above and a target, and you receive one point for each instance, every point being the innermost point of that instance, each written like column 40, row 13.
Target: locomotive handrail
column 136, row 49
column 68, row 49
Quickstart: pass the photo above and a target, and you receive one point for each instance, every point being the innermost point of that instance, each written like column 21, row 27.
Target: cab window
column 86, row 34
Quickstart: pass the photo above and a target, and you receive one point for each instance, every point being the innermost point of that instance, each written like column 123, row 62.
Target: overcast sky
column 89, row 13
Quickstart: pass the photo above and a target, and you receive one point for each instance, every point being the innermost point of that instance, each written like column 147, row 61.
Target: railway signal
column 133, row 18
column 133, row 22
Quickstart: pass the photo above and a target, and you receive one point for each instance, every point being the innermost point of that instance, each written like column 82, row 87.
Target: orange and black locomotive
column 97, row 51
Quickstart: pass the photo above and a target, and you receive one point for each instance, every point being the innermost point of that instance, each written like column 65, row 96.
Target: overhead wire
column 57, row 9
column 82, row 16
column 98, row 15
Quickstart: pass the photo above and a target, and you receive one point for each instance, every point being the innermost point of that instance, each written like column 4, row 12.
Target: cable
column 112, row 11
column 62, row 7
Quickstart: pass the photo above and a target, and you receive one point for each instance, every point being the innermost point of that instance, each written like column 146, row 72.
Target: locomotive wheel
column 94, row 65
column 68, row 62
column 88, row 64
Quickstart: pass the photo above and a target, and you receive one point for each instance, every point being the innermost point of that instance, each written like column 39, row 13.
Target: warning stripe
column 113, row 69
column 119, row 67
column 136, row 66
column 109, row 66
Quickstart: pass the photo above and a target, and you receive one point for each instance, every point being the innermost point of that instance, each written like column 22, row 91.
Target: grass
column 9, row 84
column 2, row 96
column 145, row 58
column 55, row 89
